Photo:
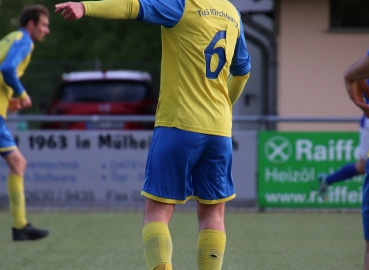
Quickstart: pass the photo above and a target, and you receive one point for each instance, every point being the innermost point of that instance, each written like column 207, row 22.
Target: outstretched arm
column 355, row 84
column 161, row 12
column 108, row 9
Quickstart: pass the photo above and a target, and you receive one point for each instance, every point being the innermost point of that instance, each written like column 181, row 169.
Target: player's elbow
column 8, row 74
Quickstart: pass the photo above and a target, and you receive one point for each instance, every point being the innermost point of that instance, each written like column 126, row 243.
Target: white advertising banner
column 103, row 168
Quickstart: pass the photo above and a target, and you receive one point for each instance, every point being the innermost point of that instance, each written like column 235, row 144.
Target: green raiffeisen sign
column 289, row 163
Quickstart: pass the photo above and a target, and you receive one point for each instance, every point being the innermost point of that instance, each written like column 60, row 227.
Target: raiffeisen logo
column 336, row 150
column 278, row 149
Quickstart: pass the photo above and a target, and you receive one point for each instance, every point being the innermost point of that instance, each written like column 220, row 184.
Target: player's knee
column 17, row 165
column 20, row 164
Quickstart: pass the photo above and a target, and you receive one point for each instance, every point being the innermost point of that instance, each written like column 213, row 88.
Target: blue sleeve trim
column 16, row 54
column 162, row 12
column 367, row 52
column 241, row 62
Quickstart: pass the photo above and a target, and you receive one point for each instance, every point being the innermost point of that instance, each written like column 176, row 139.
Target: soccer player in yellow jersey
column 205, row 66
column 15, row 54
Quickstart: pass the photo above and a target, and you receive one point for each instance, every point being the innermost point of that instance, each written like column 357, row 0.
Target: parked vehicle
column 115, row 92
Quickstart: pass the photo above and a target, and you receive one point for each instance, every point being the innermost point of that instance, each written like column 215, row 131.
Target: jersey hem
column 165, row 200
column 214, row 201
column 6, row 149
column 192, row 129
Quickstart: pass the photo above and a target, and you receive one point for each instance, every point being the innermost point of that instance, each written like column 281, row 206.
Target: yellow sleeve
column 112, row 9
column 23, row 95
column 235, row 86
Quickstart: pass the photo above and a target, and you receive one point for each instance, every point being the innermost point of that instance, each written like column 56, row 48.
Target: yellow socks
column 158, row 246
column 210, row 249
column 17, row 200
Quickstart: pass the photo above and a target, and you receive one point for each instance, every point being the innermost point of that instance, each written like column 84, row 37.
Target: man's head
column 35, row 19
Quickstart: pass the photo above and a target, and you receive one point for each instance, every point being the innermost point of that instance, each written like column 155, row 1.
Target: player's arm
column 358, row 71
column 240, row 68
column 16, row 54
column 108, row 9
column 162, row 12
column 236, row 84
column 355, row 84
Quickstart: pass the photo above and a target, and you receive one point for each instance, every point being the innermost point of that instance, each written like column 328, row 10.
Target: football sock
column 163, row 266
column 344, row 173
column 17, row 200
column 158, row 246
column 210, row 249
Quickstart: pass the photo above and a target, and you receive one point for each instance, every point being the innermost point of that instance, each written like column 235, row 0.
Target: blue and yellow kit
column 15, row 54
column 203, row 44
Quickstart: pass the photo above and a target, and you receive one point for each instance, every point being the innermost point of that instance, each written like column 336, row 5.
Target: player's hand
column 71, row 11
column 356, row 91
column 14, row 104
column 25, row 102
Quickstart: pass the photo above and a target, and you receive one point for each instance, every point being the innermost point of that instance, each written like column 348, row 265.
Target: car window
column 106, row 91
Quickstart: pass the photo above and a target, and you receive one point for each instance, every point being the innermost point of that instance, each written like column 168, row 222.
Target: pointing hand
column 70, row 11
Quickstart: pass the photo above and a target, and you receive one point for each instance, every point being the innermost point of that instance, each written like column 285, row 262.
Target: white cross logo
column 278, row 149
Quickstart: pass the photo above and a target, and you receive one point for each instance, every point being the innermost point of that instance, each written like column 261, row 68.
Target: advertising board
column 103, row 168
column 289, row 163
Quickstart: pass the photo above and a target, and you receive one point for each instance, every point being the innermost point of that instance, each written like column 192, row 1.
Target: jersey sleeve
column 236, row 84
column 112, row 9
column 16, row 54
column 241, row 62
column 162, row 12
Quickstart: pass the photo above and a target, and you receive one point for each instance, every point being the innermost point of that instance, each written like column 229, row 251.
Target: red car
column 118, row 92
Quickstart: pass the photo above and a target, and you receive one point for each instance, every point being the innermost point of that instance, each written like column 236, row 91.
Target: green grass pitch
column 255, row 241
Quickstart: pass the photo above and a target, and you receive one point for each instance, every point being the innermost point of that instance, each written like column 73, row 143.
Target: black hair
column 32, row 13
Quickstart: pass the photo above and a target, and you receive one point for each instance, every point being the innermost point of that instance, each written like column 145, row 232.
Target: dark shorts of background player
column 182, row 165
column 7, row 143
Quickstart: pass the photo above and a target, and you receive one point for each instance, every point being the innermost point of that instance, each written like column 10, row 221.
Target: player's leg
column 212, row 238
column 211, row 216
column 344, row 173
column 156, row 236
column 366, row 256
column 360, row 166
column 157, row 211
column 21, row 230
column 15, row 187
column 365, row 216
column 349, row 170
column 363, row 151
column 168, row 182
column 213, row 186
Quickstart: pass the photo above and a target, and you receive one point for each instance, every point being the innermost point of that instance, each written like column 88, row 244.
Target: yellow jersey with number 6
column 197, row 54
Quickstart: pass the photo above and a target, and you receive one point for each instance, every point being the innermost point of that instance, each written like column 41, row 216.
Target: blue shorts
column 7, row 142
column 182, row 165
column 365, row 205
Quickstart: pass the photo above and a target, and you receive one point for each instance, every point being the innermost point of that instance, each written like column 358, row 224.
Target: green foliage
column 88, row 38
